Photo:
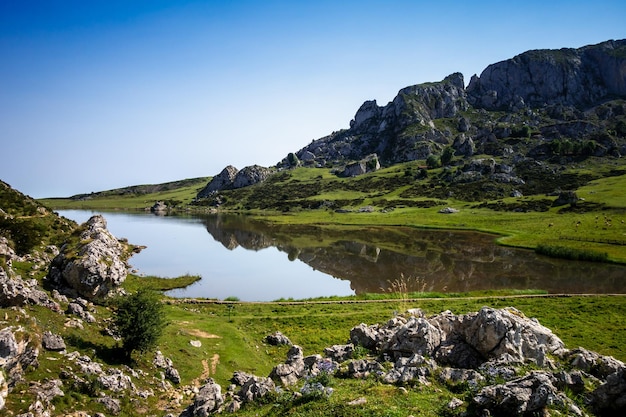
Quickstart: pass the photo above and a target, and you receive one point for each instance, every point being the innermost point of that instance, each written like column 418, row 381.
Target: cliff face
column 571, row 77
column 535, row 89
column 393, row 131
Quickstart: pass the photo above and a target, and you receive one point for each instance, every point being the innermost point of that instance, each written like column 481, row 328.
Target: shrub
column 140, row 321
column 432, row 162
column 447, row 155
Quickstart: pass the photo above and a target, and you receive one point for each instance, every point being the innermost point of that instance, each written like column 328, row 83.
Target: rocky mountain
column 569, row 77
column 545, row 106
column 546, row 94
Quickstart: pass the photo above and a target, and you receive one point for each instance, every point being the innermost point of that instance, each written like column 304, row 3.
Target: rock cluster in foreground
column 489, row 352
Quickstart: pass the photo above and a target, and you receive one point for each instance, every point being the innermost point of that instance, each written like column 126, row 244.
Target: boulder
column 610, row 397
column 209, row 400
column 4, row 389
column 112, row 405
column 80, row 309
column 417, row 336
column 507, row 333
column 368, row 164
column 53, row 342
column 366, row 336
column 159, row 207
column 566, row 197
column 6, row 251
column 255, row 388
column 362, row 368
column 16, row 355
column 116, row 380
column 292, row 370
column 172, row 374
column 340, row 353
column 415, row 368
column 456, row 376
column 593, row 363
column 95, row 266
column 523, row 396
column 277, row 338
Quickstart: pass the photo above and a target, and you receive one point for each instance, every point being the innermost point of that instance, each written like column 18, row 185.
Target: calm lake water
column 253, row 261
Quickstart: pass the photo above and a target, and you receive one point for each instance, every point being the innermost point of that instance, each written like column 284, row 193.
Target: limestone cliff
column 571, row 77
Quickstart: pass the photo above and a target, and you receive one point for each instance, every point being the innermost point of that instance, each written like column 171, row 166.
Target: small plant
column 400, row 288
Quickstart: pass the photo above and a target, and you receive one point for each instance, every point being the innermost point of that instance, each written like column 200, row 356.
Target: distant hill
column 136, row 190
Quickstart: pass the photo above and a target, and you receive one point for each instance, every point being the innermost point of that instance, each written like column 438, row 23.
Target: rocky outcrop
column 570, row 77
column 92, row 267
column 222, row 181
column 17, row 354
column 15, row 292
column 395, row 132
column 159, row 207
column 365, row 165
column 251, row 175
column 231, row 178
column 486, row 353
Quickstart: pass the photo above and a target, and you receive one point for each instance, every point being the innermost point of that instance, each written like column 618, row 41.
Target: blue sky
column 97, row 94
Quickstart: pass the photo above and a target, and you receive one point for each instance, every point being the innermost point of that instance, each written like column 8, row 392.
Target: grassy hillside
column 28, row 224
column 138, row 197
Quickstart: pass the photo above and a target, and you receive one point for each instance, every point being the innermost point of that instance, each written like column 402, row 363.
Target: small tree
column 446, row 156
column 140, row 321
column 432, row 162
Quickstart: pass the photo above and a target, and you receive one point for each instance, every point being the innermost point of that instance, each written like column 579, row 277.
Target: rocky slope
column 536, row 111
column 535, row 90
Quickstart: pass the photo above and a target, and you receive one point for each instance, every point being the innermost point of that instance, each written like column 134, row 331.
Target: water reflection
column 372, row 258
column 256, row 261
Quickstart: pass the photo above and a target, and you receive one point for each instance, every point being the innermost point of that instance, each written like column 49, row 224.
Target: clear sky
column 96, row 95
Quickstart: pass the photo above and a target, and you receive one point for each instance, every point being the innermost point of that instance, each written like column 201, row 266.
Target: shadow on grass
column 111, row 355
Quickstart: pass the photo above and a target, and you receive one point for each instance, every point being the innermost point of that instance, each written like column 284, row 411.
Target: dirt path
column 389, row 300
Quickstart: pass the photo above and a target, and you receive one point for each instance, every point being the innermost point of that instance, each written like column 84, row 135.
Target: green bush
column 432, row 162
column 447, row 155
column 140, row 321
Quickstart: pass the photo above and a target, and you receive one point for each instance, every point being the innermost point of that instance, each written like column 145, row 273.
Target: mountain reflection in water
column 372, row 258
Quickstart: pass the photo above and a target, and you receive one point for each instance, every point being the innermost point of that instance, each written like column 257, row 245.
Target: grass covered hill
column 27, row 224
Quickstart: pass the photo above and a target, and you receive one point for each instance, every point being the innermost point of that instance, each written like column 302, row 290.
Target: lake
column 253, row 261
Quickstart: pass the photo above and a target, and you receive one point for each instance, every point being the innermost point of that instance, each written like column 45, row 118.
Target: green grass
column 570, row 253
column 123, row 199
column 134, row 282
column 231, row 336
